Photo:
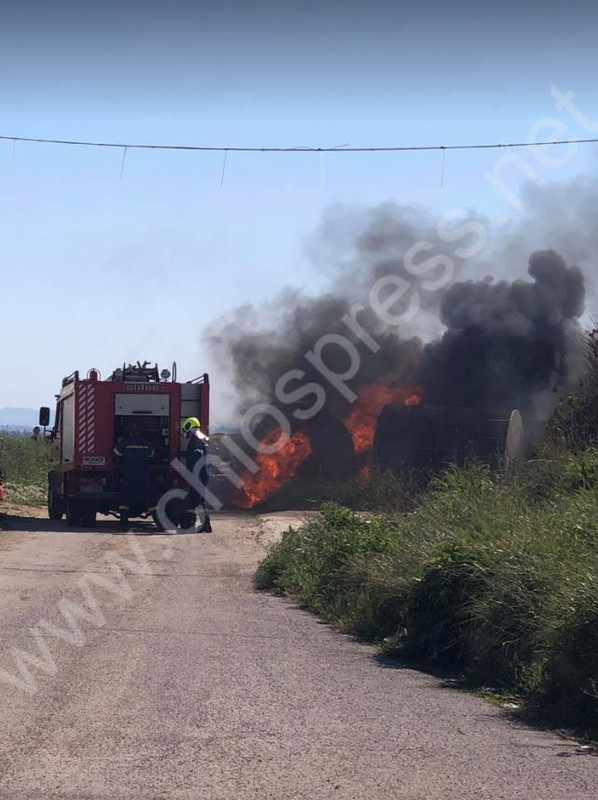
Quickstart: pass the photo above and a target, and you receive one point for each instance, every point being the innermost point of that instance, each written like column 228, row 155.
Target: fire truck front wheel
column 55, row 501
column 55, row 505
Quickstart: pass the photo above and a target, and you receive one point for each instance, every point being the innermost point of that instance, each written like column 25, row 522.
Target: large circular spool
column 431, row 437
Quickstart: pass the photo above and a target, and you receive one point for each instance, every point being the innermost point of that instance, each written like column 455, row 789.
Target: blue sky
column 97, row 270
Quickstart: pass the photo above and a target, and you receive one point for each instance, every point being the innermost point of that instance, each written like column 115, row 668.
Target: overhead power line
column 296, row 149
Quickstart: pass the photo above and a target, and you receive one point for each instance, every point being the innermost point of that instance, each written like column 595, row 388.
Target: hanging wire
column 442, row 168
column 223, row 167
column 122, row 163
column 336, row 149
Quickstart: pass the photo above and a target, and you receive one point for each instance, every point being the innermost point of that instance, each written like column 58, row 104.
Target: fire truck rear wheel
column 173, row 511
column 88, row 518
column 73, row 513
column 187, row 520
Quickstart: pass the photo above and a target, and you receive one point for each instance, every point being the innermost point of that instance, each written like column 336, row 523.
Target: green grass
column 24, row 466
column 496, row 577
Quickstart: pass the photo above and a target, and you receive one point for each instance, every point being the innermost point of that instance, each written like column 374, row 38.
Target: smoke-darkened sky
column 189, row 56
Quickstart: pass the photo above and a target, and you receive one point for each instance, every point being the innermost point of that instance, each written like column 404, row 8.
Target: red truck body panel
column 92, row 415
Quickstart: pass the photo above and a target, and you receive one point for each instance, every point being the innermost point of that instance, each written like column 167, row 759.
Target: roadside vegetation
column 493, row 576
column 24, row 468
column 388, row 491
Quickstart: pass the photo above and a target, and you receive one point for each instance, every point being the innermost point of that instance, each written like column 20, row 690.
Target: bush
column 438, row 607
column 574, row 424
column 323, row 564
column 496, row 576
column 568, row 680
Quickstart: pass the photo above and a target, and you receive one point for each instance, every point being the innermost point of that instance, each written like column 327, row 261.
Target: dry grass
column 24, row 466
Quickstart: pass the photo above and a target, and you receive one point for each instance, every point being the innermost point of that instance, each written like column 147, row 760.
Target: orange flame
column 362, row 419
column 279, row 468
column 275, row 469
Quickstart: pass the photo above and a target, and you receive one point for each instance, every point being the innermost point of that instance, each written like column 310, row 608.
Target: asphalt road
column 177, row 680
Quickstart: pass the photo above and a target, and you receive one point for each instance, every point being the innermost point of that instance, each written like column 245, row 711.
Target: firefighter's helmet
column 190, row 424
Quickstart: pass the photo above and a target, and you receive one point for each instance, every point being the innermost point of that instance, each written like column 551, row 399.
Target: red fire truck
column 92, row 415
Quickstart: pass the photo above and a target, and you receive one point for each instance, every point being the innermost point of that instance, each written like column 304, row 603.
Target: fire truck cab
column 92, row 415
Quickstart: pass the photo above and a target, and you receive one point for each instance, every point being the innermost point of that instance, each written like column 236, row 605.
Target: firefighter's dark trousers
column 135, row 489
column 195, row 500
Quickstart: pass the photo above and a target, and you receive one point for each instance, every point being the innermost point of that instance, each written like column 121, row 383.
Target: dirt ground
column 144, row 665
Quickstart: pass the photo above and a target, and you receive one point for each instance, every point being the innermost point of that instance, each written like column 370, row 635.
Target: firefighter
column 198, row 449
column 134, row 454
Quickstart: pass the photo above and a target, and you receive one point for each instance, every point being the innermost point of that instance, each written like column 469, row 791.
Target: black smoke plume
column 506, row 343
column 260, row 344
column 481, row 343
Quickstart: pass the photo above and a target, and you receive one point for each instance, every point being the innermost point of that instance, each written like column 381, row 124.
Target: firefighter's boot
column 124, row 521
column 206, row 526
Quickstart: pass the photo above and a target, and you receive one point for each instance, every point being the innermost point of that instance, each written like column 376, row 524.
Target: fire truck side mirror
column 44, row 417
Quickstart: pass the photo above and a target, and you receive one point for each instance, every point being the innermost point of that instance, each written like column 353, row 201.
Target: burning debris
column 275, row 469
column 331, row 364
column 362, row 420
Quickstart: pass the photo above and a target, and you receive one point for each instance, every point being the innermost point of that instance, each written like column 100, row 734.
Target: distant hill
column 15, row 429
column 224, row 429
column 18, row 417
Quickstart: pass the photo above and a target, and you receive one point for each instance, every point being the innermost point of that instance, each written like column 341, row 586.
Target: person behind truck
column 36, row 435
column 198, row 449
column 134, row 453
